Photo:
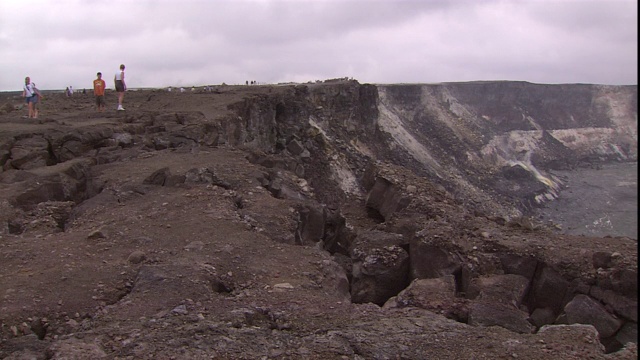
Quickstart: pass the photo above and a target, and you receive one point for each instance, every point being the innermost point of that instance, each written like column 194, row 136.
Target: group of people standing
column 32, row 95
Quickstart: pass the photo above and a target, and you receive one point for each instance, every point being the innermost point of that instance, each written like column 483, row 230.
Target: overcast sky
column 183, row 43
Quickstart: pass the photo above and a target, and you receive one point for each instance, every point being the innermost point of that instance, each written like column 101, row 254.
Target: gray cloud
column 186, row 43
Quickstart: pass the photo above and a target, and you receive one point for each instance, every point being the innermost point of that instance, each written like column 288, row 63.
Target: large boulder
column 621, row 305
column 542, row 316
column 519, row 265
column 386, row 198
column 67, row 146
column 548, row 290
column 205, row 176
column 311, row 220
column 158, row 177
column 437, row 295
column 317, row 223
column 508, row 289
column 430, row 294
column 628, row 333
column 585, row 310
column 334, row 280
column 483, row 313
column 337, row 237
column 29, row 153
column 430, row 261
column 69, row 181
column 498, row 302
column 380, row 270
column 587, row 333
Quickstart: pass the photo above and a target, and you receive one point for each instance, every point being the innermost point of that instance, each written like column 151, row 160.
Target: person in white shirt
column 31, row 95
column 121, row 86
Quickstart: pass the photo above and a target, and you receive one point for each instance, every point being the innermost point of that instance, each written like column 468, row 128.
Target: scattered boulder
column 158, row 177
column 437, row 295
column 506, row 289
column 498, row 302
column 426, row 294
column 378, row 273
column 517, row 172
column 123, row 139
column 335, row 280
column 386, row 198
column 337, row 237
column 295, row 147
column 585, row 310
column 577, row 331
column 621, row 305
column 200, row 176
column 221, row 284
column 601, row 260
column 29, row 153
column 483, row 313
column 287, row 192
column 311, row 223
column 55, row 188
column 430, row 261
column 628, row 333
column 96, row 234
column 542, row 316
column 519, row 265
column 548, row 290
column 71, row 145
column 137, row 257
column 625, row 281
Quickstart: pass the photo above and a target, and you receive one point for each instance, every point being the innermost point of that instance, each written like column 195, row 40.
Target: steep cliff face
column 478, row 129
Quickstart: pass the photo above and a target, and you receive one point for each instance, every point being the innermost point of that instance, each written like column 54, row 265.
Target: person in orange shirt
column 98, row 90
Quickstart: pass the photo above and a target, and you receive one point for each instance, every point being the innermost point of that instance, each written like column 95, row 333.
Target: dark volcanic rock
column 585, row 310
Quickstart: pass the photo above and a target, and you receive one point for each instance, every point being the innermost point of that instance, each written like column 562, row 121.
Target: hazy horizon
column 188, row 88
column 197, row 42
